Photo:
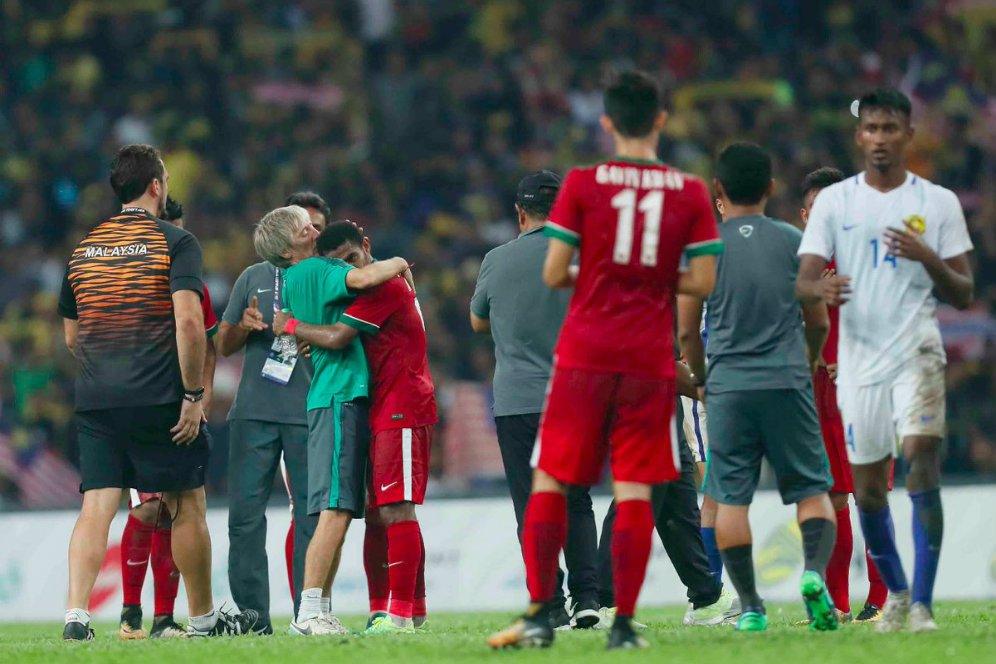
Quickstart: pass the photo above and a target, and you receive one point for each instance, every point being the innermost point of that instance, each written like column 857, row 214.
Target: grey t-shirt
column 756, row 339
column 259, row 398
column 525, row 316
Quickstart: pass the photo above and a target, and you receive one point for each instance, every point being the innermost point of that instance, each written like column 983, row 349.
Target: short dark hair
column 821, row 178
column 541, row 206
column 889, row 99
column 632, row 101
column 309, row 199
column 133, row 168
column 174, row 209
column 744, row 170
column 337, row 234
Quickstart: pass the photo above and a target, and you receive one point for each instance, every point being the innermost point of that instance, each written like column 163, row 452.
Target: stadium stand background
column 416, row 119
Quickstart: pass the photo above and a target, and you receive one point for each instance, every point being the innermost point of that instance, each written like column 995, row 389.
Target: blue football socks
column 880, row 535
column 928, row 531
column 712, row 552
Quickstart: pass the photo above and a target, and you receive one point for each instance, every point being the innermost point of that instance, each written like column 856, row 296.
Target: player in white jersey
column 896, row 239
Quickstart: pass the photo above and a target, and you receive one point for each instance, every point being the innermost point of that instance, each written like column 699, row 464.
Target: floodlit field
column 968, row 634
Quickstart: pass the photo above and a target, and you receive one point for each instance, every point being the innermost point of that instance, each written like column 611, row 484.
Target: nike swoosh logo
column 135, row 563
column 393, row 564
column 304, row 631
column 263, row 290
column 847, row 228
column 385, row 487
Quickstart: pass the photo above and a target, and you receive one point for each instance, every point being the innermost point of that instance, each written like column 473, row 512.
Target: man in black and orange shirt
column 147, row 534
column 131, row 302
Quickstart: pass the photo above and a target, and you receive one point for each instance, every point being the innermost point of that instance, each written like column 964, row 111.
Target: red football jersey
column 402, row 395
column 633, row 220
column 830, row 348
column 210, row 320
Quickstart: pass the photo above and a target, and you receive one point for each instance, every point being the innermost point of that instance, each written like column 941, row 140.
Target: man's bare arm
column 231, row 338
column 689, row 335
column 953, row 280
column 813, row 285
column 333, row 337
column 191, row 345
column 71, row 330
column 210, row 362
column 685, row 382
column 480, row 325
column 375, row 274
column 817, row 327
column 557, row 271
column 700, row 277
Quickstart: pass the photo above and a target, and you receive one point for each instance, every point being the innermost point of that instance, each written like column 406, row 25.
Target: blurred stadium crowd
column 416, row 119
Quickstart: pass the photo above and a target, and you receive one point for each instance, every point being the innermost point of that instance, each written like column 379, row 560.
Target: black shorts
column 132, row 448
column 338, row 449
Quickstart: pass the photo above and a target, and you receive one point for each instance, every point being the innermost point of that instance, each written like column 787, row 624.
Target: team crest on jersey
column 916, row 223
column 747, row 231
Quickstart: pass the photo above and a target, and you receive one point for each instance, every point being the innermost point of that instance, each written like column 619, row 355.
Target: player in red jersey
column 824, row 385
column 402, row 415
column 147, row 534
column 612, row 391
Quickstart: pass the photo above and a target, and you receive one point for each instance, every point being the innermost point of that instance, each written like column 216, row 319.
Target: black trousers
column 676, row 513
column 516, row 437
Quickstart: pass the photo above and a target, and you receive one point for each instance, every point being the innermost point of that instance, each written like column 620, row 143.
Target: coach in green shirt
column 318, row 290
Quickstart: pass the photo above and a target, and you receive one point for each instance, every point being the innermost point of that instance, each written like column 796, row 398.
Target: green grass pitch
column 967, row 634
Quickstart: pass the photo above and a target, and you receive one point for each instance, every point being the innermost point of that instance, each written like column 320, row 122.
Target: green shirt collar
column 634, row 160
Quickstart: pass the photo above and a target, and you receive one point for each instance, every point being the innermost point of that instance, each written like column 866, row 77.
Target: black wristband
column 193, row 396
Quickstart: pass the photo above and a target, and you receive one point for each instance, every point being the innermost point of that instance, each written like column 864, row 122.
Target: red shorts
column 137, row 498
column 590, row 414
column 399, row 466
column 833, row 431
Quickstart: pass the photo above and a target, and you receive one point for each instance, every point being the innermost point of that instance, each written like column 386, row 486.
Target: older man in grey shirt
column 524, row 317
column 268, row 428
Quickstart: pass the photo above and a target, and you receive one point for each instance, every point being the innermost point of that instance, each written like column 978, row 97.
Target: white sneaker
column 607, row 615
column 735, row 610
column 921, row 618
column 334, row 623
column 317, row 626
column 714, row 614
column 895, row 613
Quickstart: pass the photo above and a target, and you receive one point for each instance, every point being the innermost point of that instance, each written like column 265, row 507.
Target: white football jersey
column 890, row 315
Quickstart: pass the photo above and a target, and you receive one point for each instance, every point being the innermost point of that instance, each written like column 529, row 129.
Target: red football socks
column 632, row 538
column 839, row 567
column 165, row 576
column 877, row 590
column 543, row 536
column 136, row 543
column 375, row 565
column 418, row 608
column 404, row 552
column 289, row 558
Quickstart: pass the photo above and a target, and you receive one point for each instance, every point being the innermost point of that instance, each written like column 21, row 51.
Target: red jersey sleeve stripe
column 563, row 234
column 704, row 248
column 359, row 324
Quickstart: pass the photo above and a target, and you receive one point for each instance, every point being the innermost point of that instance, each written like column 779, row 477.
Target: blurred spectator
column 416, row 119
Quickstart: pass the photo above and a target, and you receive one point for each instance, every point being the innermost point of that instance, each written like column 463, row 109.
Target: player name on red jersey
column 639, row 178
column 632, row 237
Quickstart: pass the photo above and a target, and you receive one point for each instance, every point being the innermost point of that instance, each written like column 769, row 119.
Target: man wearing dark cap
column 512, row 303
